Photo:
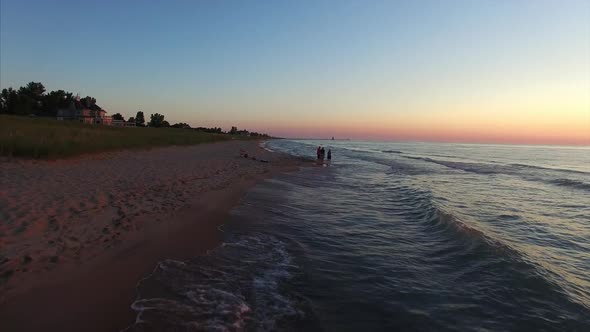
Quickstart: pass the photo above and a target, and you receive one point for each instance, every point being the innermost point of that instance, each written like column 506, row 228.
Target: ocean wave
column 448, row 221
column 480, row 168
column 570, row 183
column 549, row 168
column 392, row 151
column 457, row 239
column 237, row 286
column 401, row 168
column 264, row 145
column 438, row 219
column 513, row 169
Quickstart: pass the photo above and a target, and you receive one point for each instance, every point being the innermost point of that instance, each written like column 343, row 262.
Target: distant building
column 123, row 123
column 92, row 114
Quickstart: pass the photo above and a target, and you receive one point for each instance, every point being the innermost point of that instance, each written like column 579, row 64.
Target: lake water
column 394, row 236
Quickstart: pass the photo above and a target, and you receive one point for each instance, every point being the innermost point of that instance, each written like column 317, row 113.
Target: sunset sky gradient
column 457, row 71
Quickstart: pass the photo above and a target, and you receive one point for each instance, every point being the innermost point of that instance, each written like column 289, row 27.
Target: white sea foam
column 235, row 287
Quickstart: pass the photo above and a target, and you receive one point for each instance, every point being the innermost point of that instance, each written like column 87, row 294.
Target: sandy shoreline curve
column 76, row 235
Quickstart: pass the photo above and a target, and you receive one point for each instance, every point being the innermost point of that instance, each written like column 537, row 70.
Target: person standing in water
column 322, row 153
column 329, row 154
column 319, row 152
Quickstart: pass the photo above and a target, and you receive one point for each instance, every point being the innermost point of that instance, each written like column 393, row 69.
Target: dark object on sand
column 245, row 155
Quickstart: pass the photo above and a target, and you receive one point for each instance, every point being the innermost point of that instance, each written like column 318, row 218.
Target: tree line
column 31, row 99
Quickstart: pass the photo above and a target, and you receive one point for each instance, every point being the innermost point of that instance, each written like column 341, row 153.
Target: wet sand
column 76, row 235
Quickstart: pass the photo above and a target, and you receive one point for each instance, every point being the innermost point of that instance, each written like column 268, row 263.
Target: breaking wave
column 238, row 286
column 527, row 172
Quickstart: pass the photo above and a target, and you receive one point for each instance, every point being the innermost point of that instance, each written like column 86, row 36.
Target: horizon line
column 583, row 145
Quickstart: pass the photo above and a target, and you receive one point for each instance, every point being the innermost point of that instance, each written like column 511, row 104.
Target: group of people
column 322, row 153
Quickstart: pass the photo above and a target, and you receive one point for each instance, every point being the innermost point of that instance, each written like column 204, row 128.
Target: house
column 85, row 112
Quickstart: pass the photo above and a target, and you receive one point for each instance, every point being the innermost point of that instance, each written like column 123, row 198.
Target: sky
column 454, row 71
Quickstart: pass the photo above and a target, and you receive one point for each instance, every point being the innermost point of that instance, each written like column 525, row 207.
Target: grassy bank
column 48, row 138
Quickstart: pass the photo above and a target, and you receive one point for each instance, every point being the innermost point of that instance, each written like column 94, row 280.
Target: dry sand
column 76, row 235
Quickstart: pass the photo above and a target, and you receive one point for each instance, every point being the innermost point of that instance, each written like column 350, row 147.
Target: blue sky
column 286, row 66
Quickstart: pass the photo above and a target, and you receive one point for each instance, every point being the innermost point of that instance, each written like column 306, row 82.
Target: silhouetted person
column 329, row 154
column 319, row 152
column 322, row 153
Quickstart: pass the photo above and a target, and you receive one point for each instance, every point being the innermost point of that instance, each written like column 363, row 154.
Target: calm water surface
column 394, row 236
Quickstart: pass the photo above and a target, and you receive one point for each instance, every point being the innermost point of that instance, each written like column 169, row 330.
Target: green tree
column 156, row 120
column 131, row 119
column 118, row 116
column 34, row 90
column 139, row 119
column 234, row 130
column 26, row 105
column 30, row 98
column 181, row 125
column 56, row 100
column 8, row 101
column 89, row 102
column 3, row 101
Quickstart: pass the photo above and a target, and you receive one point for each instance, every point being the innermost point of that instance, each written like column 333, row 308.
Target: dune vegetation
column 47, row 138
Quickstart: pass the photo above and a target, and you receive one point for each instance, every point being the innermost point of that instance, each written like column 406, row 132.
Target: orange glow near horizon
column 542, row 136
column 549, row 112
column 565, row 128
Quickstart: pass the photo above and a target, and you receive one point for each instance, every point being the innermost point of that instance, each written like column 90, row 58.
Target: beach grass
column 43, row 138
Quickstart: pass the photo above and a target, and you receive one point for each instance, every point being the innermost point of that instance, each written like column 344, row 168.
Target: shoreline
column 96, row 288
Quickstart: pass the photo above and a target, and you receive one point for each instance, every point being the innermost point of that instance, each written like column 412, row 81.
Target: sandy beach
column 85, row 230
